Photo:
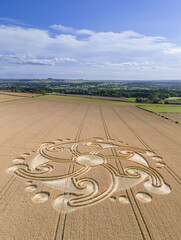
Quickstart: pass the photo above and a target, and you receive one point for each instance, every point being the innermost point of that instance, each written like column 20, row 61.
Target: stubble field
column 12, row 96
column 87, row 171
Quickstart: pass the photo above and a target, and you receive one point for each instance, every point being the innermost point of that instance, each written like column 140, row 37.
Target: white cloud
column 83, row 53
column 71, row 30
column 63, row 28
column 13, row 21
column 85, row 32
column 173, row 50
column 30, row 59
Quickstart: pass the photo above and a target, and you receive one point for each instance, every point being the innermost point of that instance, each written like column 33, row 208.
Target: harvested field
column 174, row 116
column 5, row 98
column 87, row 171
column 119, row 99
column 85, row 100
column 11, row 96
column 19, row 94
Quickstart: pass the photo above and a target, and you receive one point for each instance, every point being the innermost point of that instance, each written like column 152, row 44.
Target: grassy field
column 162, row 108
column 173, row 98
column 132, row 99
column 83, row 100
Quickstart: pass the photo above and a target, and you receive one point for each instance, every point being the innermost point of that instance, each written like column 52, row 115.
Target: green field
column 174, row 98
column 131, row 99
column 83, row 100
column 162, row 108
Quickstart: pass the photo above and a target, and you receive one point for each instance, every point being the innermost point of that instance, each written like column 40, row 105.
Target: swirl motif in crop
column 89, row 171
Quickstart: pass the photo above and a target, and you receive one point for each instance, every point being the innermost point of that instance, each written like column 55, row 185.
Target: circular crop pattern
column 89, row 171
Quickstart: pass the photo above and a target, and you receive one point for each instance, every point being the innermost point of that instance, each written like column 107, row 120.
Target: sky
column 97, row 39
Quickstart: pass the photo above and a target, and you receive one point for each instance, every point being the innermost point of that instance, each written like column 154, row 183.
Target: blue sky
column 98, row 39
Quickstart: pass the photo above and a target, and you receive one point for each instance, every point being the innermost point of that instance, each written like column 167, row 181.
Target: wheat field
column 83, row 171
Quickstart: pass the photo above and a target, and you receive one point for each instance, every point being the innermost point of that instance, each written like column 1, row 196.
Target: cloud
column 83, row 53
column 30, row 59
column 63, row 28
column 71, row 30
column 173, row 50
column 85, row 32
column 13, row 21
